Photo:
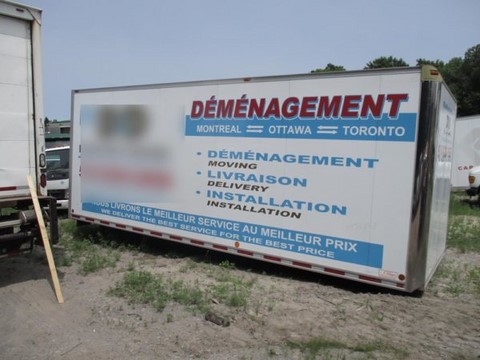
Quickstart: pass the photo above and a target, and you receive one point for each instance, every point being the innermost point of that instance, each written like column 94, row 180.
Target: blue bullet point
column 199, row 173
column 199, row 153
column 198, row 192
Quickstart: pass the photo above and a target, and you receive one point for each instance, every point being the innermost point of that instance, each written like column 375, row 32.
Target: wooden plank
column 46, row 242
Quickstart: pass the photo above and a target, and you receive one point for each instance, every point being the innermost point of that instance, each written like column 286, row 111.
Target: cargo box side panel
column 444, row 137
column 317, row 170
column 17, row 133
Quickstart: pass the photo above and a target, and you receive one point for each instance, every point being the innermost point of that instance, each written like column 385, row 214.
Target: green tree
column 453, row 76
column 385, row 62
column 329, row 68
column 462, row 76
column 470, row 78
column 439, row 64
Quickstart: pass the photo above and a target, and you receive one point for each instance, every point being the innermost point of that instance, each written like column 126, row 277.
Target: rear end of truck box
column 345, row 174
column 22, row 145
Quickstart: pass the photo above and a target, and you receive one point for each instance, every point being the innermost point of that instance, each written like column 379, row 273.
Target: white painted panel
column 352, row 184
column 17, row 146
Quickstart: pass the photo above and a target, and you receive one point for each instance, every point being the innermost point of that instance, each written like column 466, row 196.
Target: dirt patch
column 288, row 314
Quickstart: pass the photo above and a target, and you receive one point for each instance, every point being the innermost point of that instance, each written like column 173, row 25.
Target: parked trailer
column 345, row 174
column 466, row 149
column 22, row 145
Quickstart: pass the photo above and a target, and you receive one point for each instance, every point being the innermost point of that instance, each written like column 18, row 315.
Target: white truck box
column 22, row 144
column 346, row 174
column 466, row 149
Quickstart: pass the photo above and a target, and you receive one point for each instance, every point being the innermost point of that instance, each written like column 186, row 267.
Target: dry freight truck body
column 22, row 143
column 345, row 174
column 466, row 149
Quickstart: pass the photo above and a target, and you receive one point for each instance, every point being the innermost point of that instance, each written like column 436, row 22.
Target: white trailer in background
column 466, row 149
column 345, row 174
column 22, row 143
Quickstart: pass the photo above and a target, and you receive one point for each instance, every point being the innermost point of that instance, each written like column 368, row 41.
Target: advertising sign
column 317, row 169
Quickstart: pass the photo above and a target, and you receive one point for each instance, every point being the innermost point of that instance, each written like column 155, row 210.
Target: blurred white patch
column 126, row 155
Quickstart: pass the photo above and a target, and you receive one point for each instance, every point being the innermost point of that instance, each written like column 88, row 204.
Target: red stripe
column 245, row 252
column 334, row 271
column 174, row 237
column 75, row 216
column 272, row 258
column 137, row 229
column 296, row 263
column 121, row 226
column 89, row 219
column 220, row 247
column 104, row 222
column 197, row 242
column 368, row 278
column 8, row 188
column 400, row 285
column 156, row 233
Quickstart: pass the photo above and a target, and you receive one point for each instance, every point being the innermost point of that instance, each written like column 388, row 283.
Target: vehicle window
column 58, row 160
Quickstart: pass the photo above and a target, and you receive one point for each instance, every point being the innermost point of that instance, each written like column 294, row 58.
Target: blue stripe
column 370, row 129
column 346, row 250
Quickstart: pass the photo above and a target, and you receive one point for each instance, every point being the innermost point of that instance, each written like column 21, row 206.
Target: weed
column 144, row 287
column 186, row 295
column 232, row 291
column 315, row 346
column 190, row 265
column 87, row 246
column 94, row 261
column 131, row 265
column 457, row 279
column 463, row 235
column 227, row 265
column 63, row 259
column 460, row 205
column 474, row 277
column 272, row 352
column 169, row 318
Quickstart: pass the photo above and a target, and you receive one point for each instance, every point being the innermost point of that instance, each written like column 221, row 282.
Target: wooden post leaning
column 46, row 242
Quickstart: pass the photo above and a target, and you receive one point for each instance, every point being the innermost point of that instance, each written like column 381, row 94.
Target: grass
column 226, row 288
column 457, row 279
column 463, row 229
column 94, row 250
column 143, row 287
column 88, row 247
column 94, row 261
column 463, row 235
column 322, row 346
column 460, row 205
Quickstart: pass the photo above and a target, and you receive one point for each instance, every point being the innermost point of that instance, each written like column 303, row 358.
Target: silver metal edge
column 72, row 134
column 423, row 185
column 372, row 72
column 9, row 8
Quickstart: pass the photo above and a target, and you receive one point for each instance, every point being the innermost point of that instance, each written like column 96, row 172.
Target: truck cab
column 474, row 181
column 58, row 160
